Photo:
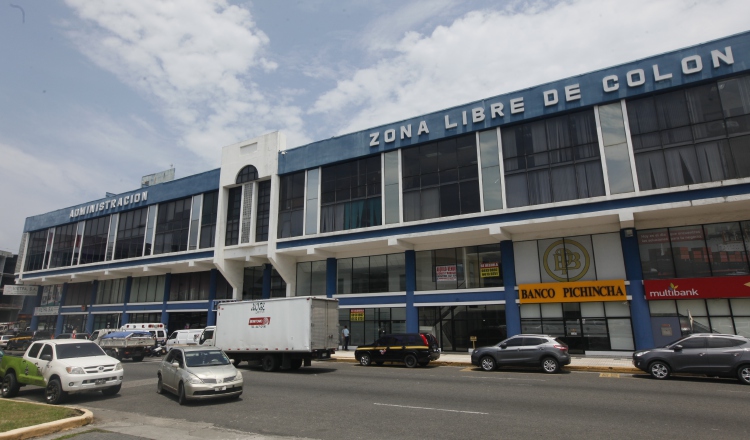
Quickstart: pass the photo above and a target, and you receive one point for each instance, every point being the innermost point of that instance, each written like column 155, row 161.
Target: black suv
column 523, row 350
column 701, row 353
column 410, row 348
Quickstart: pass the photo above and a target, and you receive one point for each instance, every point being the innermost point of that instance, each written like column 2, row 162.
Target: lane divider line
column 433, row 409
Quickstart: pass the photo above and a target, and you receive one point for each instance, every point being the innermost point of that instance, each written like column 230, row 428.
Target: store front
column 698, row 305
column 187, row 320
column 74, row 322
column 459, row 328
column 366, row 325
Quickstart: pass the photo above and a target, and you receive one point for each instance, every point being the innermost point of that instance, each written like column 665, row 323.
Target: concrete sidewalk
column 602, row 364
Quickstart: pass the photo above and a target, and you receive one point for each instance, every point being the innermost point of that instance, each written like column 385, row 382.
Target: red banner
column 259, row 321
column 698, row 288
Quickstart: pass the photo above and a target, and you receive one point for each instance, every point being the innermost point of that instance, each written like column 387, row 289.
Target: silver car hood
column 214, row 372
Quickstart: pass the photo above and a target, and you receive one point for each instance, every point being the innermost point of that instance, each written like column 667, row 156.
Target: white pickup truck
column 62, row 367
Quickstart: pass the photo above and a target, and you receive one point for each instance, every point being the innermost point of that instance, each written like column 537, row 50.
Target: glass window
column 311, row 278
column 131, row 232
column 693, row 343
column 490, row 154
column 195, row 221
column 726, row 249
column 247, row 174
column 351, row 195
column 190, row 286
column 459, row 268
column 172, row 225
column 62, row 249
column 613, row 309
column 35, row 250
column 530, row 311
column 252, row 286
column 78, row 294
column 278, row 285
column 390, row 179
column 148, row 289
column 311, row 223
column 111, row 291
column 440, row 179
column 379, row 273
column 264, row 211
column 291, row 205
column 209, row 214
column 94, row 240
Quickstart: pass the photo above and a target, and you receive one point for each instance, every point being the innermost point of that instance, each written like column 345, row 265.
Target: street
column 338, row 400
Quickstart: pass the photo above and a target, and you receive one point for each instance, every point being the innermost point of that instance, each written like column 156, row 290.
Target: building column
column 211, row 319
column 267, row 268
column 412, row 314
column 59, row 323
column 165, row 298
column 331, row 270
column 639, row 311
column 34, row 325
column 92, row 301
column 126, row 300
column 512, row 308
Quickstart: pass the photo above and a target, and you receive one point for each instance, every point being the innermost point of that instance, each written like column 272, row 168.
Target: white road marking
column 432, row 409
column 506, row 378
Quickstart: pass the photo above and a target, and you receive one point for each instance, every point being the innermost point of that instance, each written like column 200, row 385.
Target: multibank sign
column 707, row 61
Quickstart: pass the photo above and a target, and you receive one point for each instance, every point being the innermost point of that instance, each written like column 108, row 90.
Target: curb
column 50, row 427
column 592, row 369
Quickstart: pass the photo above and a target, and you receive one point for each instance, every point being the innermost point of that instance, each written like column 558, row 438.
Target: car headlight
column 194, row 379
column 641, row 353
column 75, row 370
column 238, row 376
column 118, row 367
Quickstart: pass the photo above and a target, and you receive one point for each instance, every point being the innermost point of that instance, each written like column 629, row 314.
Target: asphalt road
column 346, row 401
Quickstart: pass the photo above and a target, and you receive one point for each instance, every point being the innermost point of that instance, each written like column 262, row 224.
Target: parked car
column 700, row 353
column 23, row 340
column 410, row 348
column 543, row 351
column 70, row 336
column 4, row 340
column 196, row 373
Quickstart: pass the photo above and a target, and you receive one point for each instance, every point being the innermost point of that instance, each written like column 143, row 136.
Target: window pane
column 689, row 252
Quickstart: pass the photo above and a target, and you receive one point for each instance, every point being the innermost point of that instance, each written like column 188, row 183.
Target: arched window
column 247, row 174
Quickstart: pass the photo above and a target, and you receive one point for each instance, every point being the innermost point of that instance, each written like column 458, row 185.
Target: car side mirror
column 677, row 347
column 503, row 345
column 176, row 364
column 46, row 357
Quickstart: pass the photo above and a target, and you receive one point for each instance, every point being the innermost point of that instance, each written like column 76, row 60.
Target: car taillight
column 424, row 339
column 561, row 347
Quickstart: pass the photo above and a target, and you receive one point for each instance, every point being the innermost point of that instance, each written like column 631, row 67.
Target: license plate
column 100, row 381
column 221, row 388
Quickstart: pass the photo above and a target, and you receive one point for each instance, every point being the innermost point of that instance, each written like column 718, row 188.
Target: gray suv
column 524, row 350
column 701, row 353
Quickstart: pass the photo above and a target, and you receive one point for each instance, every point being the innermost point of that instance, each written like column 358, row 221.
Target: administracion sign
column 20, row 290
column 581, row 291
column 698, row 288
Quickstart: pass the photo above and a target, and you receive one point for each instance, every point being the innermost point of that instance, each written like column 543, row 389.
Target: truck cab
column 62, row 367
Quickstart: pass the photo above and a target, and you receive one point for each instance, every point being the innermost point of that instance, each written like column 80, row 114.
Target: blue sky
column 95, row 94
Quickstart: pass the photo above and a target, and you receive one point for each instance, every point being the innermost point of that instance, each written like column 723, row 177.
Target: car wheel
column 159, row 385
column 659, row 370
column 270, row 362
column 10, row 385
column 743, row 374
column 550, row 365
column 111, row 391
column 488, row 363
column 410, row 360
column 181, row 399
column 365, row 360
column 54, row 392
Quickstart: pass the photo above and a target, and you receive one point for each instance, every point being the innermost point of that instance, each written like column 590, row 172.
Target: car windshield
column 205, row 358
column 84, row 349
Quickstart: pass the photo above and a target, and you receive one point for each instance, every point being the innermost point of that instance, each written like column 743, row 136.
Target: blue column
column 211, row 320
column 37, row 303
column 267, row 268
column 412, row 314
column 165, row 298
column 512, row 309
column 92, row 301
column 126, row 300
column 59, row 324
column 639, row 312
column 331, row 269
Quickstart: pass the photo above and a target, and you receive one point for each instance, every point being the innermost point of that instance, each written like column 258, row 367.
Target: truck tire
column 111, row 391
column 54, row 393
column 270, row 362
column 10, row 385
column 137, row 358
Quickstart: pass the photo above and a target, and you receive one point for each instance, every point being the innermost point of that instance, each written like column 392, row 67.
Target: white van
column 184, row 337
column 157, row 329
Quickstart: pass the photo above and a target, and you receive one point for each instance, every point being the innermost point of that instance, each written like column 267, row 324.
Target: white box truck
column 279, row 333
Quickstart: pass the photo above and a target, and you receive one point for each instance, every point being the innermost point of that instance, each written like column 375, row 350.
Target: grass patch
column 14, row 415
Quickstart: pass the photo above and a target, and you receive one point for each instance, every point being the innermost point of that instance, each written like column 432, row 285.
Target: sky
column 95, row 94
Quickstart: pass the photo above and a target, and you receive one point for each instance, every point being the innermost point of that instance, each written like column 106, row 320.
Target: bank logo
column 566, row 260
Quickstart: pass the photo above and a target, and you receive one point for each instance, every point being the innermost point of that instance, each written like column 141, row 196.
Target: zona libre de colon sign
column 581, row 291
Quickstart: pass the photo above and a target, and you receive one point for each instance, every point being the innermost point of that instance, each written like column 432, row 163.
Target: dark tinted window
column 514, row 342
column 34, row 350
column 47, row 350
column 693, row 343
column 534, row 341
column 719, row 342
column 84, row 349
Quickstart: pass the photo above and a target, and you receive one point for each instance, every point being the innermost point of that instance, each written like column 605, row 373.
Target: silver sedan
column 196, row 373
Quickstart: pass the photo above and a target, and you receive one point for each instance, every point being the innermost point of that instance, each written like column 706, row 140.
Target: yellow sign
column 489, row 270
column 581, row 291
column 357, row 315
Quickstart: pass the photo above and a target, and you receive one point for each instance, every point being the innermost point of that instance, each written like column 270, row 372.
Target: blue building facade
column 600, row 208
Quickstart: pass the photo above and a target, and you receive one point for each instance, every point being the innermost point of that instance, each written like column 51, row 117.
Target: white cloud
column 485, row 53
column 195, row 59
